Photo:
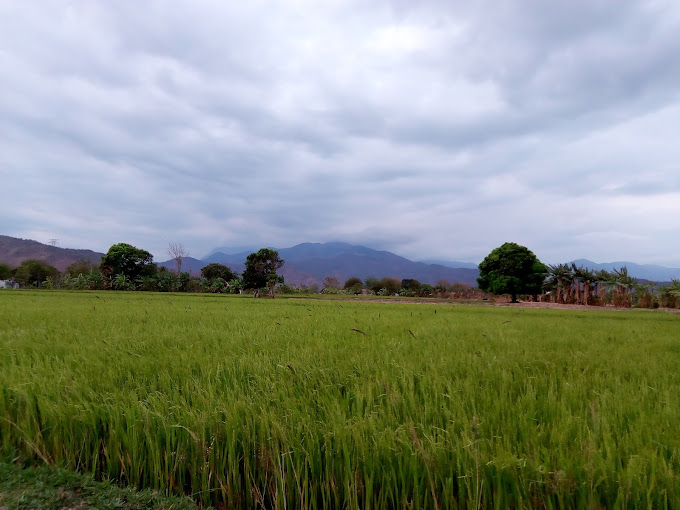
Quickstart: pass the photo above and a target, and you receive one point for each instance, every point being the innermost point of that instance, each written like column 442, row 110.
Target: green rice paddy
column 282, row 403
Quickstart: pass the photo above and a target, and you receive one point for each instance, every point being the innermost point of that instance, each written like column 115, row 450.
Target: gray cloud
column 433, row 129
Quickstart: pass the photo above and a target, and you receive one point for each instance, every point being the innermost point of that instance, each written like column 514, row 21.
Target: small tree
column 178, row 252
column 511, row 269
column 331, row 282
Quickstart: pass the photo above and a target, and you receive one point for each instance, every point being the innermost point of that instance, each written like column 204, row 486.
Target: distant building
column 8, row 284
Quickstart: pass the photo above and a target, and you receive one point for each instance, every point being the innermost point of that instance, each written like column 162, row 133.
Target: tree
column 5, row 272
column 331, row 282
column 511, row 269
column 391, row 285
column 125, row 259
column 178, row 252
column 410, row 284
column 372, row 284
column 81, row 266
column 261, row 268
column 353, row 285
column 32, row 273
column 216, row 270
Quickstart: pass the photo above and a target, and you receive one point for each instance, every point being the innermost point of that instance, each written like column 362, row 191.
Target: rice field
column 242, row 403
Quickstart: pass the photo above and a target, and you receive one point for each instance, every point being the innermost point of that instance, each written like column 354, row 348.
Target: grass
column 327, row 404
column 48, row 488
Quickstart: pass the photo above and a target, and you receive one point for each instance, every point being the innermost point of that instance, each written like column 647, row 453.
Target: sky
column 433, row 129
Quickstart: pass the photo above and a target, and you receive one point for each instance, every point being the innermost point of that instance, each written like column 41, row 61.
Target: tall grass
column 285, row 404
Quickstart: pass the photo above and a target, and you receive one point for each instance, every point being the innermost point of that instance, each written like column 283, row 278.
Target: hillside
column 13, row 251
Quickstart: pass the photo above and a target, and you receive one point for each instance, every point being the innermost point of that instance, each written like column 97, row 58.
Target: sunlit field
column 241, row 402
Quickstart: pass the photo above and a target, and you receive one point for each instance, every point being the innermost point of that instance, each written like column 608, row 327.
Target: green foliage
column 390, row 285
column 5, row 272
column 511, row 269
column 353, row 285
column 215, row 270
column 372, row 284
column 49, row 487
column 32, row 273
column 80, row 267
column 133, row 263
column 323, row 404
column 261, row 268
column 410, row 284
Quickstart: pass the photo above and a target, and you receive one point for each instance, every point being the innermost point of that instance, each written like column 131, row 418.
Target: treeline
column 127, row 268
column 569, row 284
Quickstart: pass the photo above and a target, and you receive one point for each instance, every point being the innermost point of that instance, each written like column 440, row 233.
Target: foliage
column 511, row 269
column 372, row 284
column 49, row 487
column 129, row 261
column 5, row 272
column 215, row 270
column 261, row 268
column 322, row 404
column 331, row 282
column 353, row 282
column 410, row 284
column 32, row 273
column 80, row 267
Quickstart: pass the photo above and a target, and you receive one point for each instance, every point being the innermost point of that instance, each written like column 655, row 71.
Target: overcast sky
column 433, row 129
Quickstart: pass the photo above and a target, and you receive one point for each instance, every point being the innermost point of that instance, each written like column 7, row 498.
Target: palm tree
column 585, row 277
column 624, row 283
column 604, row 281
column 559, row 278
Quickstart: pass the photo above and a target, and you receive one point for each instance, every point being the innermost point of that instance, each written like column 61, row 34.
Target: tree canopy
column 125, row 259
column 215, row 270
column 511, row 269
column 32, row 273
column 261, row 268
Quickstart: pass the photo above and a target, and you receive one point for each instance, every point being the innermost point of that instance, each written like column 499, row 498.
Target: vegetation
column 327, row 404
column 44, row 487
column 215, row 270
column 261, row 268
column 33, row 273
column 128, row 264
column 512, row 269
column 178, row 253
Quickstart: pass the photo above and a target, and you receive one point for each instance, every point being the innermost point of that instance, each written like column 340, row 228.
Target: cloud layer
column 432, row 129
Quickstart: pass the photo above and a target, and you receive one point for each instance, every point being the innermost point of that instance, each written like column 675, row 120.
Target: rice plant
column 331, row 404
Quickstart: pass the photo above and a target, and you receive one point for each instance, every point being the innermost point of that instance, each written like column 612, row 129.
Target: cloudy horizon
column 435, row 130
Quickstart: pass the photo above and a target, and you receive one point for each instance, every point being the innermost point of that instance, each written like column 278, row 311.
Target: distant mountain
column 642, row 271
column 13, row 251
column 451, row 263
column 312, row 262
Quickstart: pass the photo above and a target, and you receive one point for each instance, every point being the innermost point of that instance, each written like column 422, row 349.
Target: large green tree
column 512, row 269
column 127, row 260
column 261, row 268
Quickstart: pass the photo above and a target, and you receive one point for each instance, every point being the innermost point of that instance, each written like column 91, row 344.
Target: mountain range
column 310, row 263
